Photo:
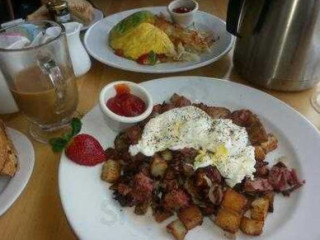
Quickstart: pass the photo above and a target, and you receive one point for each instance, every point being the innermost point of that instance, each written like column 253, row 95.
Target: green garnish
column 152, row 58
column 59, row 143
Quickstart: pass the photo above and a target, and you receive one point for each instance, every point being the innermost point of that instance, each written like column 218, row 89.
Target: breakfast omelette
column 149, row 39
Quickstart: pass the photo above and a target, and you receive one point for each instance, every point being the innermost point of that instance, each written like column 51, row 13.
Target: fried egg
column 219, row 142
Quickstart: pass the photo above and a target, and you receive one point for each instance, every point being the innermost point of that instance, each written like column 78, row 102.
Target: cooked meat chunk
column 256, row 131
column 214, row 112
column 257, row 185
column 160, row 214
column 176, row 199
column 283, row 179
column 111, row 153
column 179, row 101
column 242, row 117
column 262, row 169
column 134, row 134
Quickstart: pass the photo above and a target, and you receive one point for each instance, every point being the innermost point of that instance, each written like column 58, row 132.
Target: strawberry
column 82, row 149
column 85, row 150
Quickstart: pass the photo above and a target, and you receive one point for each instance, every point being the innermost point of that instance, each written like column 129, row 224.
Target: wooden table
column 38, row 214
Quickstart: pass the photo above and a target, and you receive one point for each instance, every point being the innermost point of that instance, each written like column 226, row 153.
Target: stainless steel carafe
column 278, row 42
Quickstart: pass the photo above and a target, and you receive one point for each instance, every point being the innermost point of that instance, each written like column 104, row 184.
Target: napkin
column 26, row 35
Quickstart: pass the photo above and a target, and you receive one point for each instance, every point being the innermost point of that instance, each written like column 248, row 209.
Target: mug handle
column 233, row 16
column 51, row 68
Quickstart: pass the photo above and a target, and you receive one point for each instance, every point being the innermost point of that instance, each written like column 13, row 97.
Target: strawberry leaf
column 76, row 126
column 58, row 144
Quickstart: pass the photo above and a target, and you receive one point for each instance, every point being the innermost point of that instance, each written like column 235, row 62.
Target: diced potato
column 259, row 209
column 142, row 208
column 166, row 155
column 161, row 215
column 234, row 201
column 228, row 220
column 158, row 166
column 190, row 216
column 270, row 197
column 251, row 227
column 271, row 144
column 111, row 171
column 177, row 229
column 121, row 143
column 259, row 153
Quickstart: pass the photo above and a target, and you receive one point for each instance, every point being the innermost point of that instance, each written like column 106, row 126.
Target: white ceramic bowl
column 119, row 123
column 184, row 19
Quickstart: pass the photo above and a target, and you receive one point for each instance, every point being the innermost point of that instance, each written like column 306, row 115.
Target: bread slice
column 3, row 146
column 8, row 158
column 81, row 9
column 41, row 13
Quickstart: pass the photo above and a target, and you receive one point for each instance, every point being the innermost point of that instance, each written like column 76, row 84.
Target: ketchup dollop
column 124, row 103
column 182, row 10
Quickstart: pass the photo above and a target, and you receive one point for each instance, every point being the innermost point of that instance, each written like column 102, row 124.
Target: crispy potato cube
column 111, row 171
column 142, row 208
column 259, row 153
column 161, row 215
column 271, row 144
column 158, row 166
column 177, row 229
column 190, row 216
column 167, row 155
column 270, row 197
column 259, row 209
column 251, row 227
column 228, row 220
column 234, row 201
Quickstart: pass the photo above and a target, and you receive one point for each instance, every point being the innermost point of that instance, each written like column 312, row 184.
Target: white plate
column 96, row 42
column 11, row 188
column 94, row 215
column 97, row 16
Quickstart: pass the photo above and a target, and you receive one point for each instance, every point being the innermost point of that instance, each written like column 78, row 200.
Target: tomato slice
column 148, row 59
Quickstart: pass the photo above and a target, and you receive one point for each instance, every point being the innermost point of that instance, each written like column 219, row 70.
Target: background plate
column 97, row 16
column 94, row 215
column 11, row 188
column 96, row 42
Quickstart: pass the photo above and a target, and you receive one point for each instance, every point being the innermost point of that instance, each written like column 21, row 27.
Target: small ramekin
column 183, row 19
column 119, row 123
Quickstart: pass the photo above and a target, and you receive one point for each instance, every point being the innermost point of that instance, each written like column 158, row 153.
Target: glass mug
column 42, row 81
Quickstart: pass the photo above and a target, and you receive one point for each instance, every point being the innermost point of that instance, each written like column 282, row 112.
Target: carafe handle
column 233, row 16
column 49, row 67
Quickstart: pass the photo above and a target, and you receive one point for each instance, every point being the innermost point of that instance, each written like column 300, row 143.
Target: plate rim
column 18, row 182
column 235, row 84
column 145, row 70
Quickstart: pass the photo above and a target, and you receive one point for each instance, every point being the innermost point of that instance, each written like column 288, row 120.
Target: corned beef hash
column 195, row 160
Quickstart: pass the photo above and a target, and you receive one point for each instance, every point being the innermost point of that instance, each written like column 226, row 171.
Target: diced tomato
column 122, row 88
column 143, row 59
column 148, row 59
